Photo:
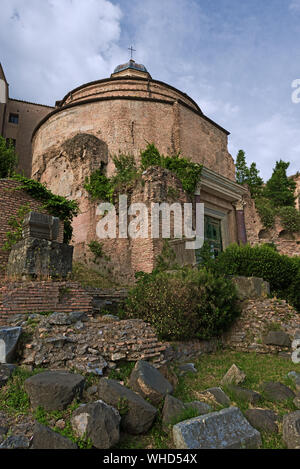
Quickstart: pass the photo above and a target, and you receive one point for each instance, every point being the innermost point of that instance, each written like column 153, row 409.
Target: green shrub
column 188, row 172
column 96, row 248
column 185, row 304
column 266, row 211
column 99, row 186
column 282, row 272
column 290, row 218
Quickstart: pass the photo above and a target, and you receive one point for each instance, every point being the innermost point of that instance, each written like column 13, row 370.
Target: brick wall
column 10, row 202
column 37, row 297
column 127, row 113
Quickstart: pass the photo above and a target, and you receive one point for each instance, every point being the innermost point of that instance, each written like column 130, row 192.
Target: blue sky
column 236, row 58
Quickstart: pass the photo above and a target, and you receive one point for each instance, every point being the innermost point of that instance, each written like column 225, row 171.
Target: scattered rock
column 296, row 401
column 233, row 376
column 168, row 372
column 15, row 442
column 3, row 432
column 251, row 287
column 187, row 368
column 9, row 338
column 278, row 392
column 244, row 394
column 279, row 338
column 172, row 408
column 262, row 420
column 226, row 429
column 98, row 367
column 296, row 378
column 291, row 430
column 99, row 422
column 201, row 407
column 137, row 415
column 219, row 396
column 5, row 373
column 54, row 390
column 45, row 438
column 149, row 382
column 59, row 319
column 61, row 424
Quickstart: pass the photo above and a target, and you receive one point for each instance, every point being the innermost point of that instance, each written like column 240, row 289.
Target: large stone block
column 45, row 438
column 34, row 257
column 54, row 390
column 9, row 338
column 41, row 226
column 149, row 382
column 251, row 287
column 138, row 415
column 291, row 430
column 226, row 429
column 99, row 422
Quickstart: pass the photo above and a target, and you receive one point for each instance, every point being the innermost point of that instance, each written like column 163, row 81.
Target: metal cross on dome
column 131, row 50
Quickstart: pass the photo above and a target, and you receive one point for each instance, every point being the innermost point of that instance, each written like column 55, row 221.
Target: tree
column 8, row 158
column 279, row 188
column 255, row 182
column 242, row 171
column 250, row 176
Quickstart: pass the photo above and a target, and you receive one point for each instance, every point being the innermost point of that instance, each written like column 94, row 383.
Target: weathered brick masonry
column 10, row 202
column 45, row 296
column 286, row 243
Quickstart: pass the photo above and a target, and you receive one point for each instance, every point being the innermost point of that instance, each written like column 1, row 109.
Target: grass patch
column 89, row 277
column 13, row 397
column 49, row 419
column 123, row 372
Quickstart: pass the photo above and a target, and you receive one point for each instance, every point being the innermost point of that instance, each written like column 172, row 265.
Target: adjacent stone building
column 17, row 122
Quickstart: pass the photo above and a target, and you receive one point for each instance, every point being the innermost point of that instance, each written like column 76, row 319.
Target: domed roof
column 132, row 65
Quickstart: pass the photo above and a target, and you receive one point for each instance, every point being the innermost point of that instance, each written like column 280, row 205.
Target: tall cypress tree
column 250, row 176
column 279, row 188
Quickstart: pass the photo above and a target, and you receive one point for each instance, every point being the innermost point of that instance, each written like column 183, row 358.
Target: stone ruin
column 39, row 254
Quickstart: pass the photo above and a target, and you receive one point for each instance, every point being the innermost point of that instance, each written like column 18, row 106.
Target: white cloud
column 54, row 45
column 267, row 141
column 295, row 6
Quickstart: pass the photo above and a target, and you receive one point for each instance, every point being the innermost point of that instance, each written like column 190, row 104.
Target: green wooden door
column 212, row 236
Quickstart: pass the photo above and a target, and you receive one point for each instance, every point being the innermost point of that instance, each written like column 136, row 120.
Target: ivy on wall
column 127, row 173
column 56, row 205
column 16, row 223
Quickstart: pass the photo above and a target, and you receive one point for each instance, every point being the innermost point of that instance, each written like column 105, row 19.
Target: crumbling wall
column 10, row 202
column 286, row 243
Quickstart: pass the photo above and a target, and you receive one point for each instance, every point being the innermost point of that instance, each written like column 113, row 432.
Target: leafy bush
column 184, row 304
column 188, row 172
column 96, row 248
column 290, row 218
column 266, row 211
column 282, row 272
column 100, row 187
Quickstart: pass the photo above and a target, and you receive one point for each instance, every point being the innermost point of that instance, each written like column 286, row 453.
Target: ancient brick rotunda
column 121, row 114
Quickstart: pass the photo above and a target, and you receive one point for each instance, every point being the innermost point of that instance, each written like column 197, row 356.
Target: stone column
column 240, row 221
